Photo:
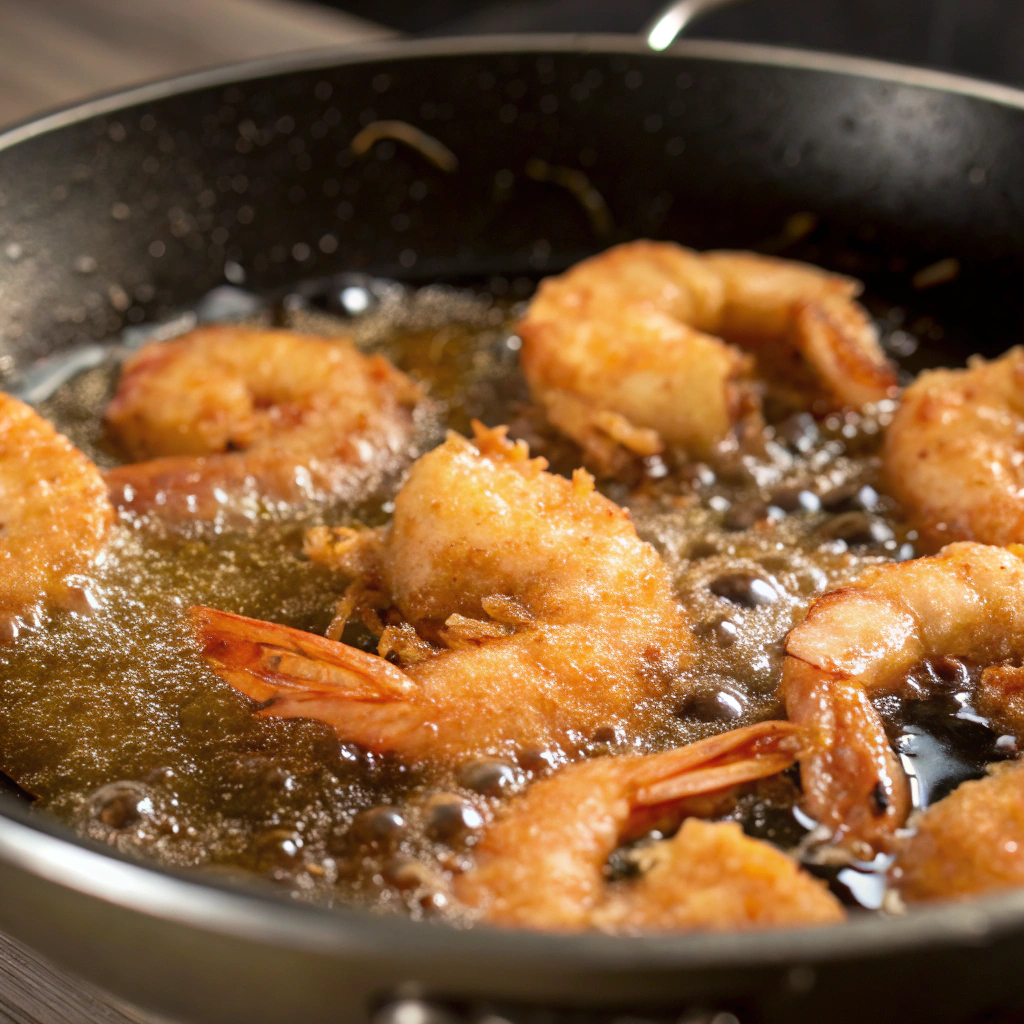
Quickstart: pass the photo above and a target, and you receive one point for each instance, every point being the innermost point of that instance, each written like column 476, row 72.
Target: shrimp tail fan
column 295, row 674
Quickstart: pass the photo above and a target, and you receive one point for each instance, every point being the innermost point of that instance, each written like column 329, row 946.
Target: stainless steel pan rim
column 46, row 850
column 694, row 49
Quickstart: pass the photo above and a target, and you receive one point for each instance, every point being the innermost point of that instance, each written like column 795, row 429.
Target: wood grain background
column 54, row 52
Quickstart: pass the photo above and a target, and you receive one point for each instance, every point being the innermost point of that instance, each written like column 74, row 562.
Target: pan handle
column 663, row 30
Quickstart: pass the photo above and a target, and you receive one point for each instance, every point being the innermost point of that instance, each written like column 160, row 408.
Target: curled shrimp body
column 54, row 513
column 862, row 640
column 968, row 843
column 954, row 452
column 636, row 348
column 531, row 616
column 234, row 417
column 541, row 864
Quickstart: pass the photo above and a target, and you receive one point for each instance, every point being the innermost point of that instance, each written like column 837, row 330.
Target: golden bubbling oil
column 113, row 723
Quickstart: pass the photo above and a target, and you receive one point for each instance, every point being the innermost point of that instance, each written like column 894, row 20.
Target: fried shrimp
column 529, row 615
column 968, row 843
column 636, row 348
column 862, row 640
column 954, row 453
column 541, row 865
column 54, row 516
column 236, row 417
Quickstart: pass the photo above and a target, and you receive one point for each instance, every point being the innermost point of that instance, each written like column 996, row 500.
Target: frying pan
column 129, row 208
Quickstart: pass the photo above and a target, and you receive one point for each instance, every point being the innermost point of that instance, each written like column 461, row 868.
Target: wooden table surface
column 55, row 52
column 34, row 990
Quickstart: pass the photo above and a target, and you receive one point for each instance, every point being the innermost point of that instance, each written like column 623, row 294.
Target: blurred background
column 53, row 52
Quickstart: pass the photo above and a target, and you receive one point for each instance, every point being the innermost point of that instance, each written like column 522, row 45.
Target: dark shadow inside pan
column 11, row 792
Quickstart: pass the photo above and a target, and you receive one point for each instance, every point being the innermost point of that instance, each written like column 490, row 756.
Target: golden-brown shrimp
column 969, row 843
column 625, row 351
column 964, row 602
column 54, row 516
column 233, row 417
column 532, row 616
column 541, row 864
column 954, row 452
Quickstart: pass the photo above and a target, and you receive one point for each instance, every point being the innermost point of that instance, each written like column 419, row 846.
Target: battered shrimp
column 541, row 865
column 234, row 417
column 969, row 843
column 625, row 351
column 862, row 640
column 531, row 615
column 954, row 453
column 54, row 516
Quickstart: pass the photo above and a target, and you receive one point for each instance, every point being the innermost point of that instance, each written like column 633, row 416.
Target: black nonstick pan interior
column 127, row 215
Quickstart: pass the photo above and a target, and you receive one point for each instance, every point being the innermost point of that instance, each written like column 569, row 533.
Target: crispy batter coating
column 954, row 452
column 549, row 617
column 711, row 876
column 54, row 516
column 864, row 638
column 235, row 417
column 625, row 350
column 969, row 843
column 541, row 865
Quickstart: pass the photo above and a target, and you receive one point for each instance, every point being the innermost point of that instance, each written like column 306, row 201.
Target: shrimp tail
column 836, row 337
column 855, row 784
column 295, row 674
column 718, row 762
